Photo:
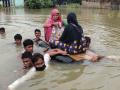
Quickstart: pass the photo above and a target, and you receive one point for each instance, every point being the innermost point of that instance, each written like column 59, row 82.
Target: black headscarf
column 73, row 31
column 71, row 18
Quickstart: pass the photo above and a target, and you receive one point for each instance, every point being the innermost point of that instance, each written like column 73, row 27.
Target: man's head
column 18, row 39
column 37, row 33
column 27, row 59
column 28, row 45
column 38, row 62
column 2, row 30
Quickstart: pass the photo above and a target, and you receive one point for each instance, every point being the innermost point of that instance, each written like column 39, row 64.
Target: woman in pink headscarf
column 53, row 21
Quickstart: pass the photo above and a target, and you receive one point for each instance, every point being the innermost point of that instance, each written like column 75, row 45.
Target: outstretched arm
column 21, row 80
column 46, row 60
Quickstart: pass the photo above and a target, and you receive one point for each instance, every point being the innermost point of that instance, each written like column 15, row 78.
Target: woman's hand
column 56, row 51
column 61, row 52
column 57, row 24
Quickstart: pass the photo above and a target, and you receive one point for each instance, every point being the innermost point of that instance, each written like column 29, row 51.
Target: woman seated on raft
column 54, row 21
column 73, row 40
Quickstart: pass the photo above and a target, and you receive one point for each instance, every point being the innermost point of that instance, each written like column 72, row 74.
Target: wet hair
column 18, row 36
column 26, row 55
column 27, row 42
column 37, row 30
column 71, row 18
column 2, row 29
column 36, row 56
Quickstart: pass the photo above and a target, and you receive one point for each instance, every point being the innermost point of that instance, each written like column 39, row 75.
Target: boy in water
column 18, row 39
column 2, row 30
column 38, row 41
column 38, row 62
column 27, row 60
column 28, row 45
column 37, row 33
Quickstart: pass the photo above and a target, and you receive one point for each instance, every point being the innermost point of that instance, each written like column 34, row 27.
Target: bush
column 37, row 4
column 76, row 1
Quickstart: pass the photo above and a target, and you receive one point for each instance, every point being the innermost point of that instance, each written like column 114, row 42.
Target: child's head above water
column 38, row 62
column 18, row 39
column 28, row 45
column 27, row 60
column 2, row 30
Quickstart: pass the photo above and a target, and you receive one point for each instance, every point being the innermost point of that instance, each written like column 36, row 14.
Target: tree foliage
column 37, row 4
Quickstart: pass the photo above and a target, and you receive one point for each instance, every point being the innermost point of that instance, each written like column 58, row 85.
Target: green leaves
column 37, row 4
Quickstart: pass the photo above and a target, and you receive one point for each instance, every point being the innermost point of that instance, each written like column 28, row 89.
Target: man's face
column 29, row 48
column 37, row 34
column 27, row 62
column 18, row 41
column 39, row 65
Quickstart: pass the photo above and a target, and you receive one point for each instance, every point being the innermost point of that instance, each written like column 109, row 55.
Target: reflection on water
column 100, row 24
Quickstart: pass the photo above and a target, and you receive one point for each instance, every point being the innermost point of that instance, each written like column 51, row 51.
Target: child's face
column 27, row 62
column 37, row 34
column 29, row 48
column 18, row 41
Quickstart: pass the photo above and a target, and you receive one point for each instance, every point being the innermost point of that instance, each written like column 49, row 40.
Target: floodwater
column 103, row 26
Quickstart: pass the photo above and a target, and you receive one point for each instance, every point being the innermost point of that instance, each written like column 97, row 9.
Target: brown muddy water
column 101, row 25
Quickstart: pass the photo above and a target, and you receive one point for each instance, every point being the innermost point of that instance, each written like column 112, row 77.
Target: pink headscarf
column 55, row 12
column 50, row 20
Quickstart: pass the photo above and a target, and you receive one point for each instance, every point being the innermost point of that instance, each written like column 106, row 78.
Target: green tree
column 36, row 4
